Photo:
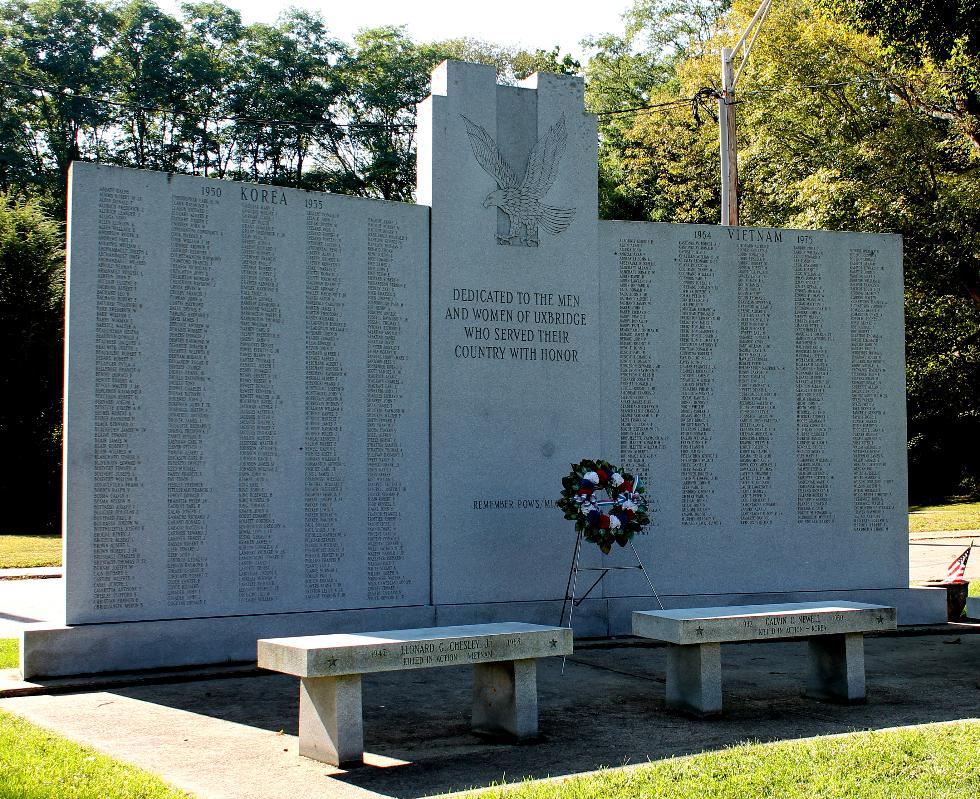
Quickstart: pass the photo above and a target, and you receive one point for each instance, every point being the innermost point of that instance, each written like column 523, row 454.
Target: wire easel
column 571, row 602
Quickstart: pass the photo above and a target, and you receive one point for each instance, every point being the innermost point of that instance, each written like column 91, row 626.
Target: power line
column 815, row 86
column 642, row 108
column 708, row 92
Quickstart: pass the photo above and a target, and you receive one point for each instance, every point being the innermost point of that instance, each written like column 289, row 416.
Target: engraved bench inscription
column 835, row 634
column 503, row 656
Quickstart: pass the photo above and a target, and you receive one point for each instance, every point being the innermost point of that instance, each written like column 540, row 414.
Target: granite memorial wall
column 761, row 393
column 246, row 378
column 289, row 412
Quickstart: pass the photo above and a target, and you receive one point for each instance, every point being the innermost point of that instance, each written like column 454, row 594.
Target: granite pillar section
column 331, row 727
column 837, row 668
column 694, row 678
column 505, row 698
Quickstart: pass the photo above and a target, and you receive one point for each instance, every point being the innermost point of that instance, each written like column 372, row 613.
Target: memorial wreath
column 612, row 520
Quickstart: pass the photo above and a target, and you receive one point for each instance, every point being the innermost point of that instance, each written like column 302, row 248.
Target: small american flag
column 957, row 569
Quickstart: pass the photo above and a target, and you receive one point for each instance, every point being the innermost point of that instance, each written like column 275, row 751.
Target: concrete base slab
column 52, row 651
column 56, row 650
column 237, row 738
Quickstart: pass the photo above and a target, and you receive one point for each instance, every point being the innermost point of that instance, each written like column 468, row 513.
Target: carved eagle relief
column 521, row 200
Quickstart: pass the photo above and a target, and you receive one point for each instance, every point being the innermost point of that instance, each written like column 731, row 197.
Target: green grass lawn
column 9, row 653
column 36, row 764
column 26, row 551
column 954, row 515
column 931, row 761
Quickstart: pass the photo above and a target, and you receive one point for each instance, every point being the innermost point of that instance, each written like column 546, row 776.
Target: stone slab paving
column 236, row 737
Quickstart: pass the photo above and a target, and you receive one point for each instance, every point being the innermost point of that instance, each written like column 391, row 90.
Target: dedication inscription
column 515, row 329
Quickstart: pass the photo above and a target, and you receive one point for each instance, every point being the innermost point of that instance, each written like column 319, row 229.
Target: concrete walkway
column 33, row 573
column 931, row 553
column 29, row 601
column 235, row 738
column 234, row 735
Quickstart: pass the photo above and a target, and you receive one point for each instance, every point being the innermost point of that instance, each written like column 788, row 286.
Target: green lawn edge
column 9, row 653
column 959, row 514
column 927, row 762
column 29, row 551
column 37, row 764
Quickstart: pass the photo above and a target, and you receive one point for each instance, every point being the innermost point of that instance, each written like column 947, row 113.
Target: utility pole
column 726, row 113
column 729, row 146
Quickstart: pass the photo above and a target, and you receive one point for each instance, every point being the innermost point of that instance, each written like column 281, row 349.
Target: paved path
column 235, row 738
column 25, row 602
column 931, row 553
column 39, row 572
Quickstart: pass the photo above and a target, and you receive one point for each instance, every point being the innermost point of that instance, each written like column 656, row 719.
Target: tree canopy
column 834, row 133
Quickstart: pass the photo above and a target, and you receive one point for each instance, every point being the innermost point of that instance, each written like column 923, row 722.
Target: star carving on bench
column 880, row 619
column 331, row 663
column 699, row 630
column 554, row 643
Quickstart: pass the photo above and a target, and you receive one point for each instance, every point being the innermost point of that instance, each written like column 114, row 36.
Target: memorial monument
column 290, row 412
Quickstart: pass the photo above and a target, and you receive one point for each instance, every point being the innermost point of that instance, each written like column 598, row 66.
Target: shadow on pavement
column 607, row 710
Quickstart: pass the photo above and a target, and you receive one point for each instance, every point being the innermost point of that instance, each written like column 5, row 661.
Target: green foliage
column 956, row 515
column 204, row 94
column 55, row 43
column 37, row 764
column 826, row 141
column 31, row 296
column 922, row 762
column 639, row 179
column 940, row 41
column 384, row 76
column 941, row 30
column 675, row 29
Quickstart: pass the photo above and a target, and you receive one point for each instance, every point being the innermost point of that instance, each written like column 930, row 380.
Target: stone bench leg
column 505, row 698
column 837, row 668
column 694, row 678
column 331, row 727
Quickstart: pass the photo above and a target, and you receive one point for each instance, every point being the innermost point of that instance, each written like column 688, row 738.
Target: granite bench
column 835, row 634
column 505, row 694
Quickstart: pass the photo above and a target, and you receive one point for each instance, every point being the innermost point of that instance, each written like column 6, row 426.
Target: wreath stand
column 572, row 602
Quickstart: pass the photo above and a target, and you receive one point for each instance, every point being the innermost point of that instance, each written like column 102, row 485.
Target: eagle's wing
column 488, row 156
column 542, row 166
